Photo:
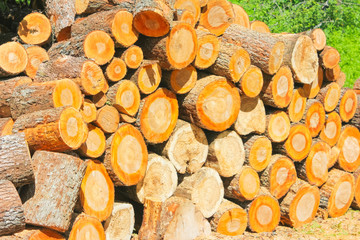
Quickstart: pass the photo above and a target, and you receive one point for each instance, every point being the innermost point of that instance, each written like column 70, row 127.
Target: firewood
column 311, row 90
column 337, row 194
column 251, row 82
column 217, row 16
column 132, row 56
column 259, row 26
column 181, row 81
column 278, row 126
column 99, row 46
column 86, row 226
column 120, row 224
column 258, row 151
column 329, row 96
column 126, row 156
column 266, row 52
column 151, row 219
column 6, row 126
column 116, row 70
column 300, row 204
column 318, row 37
column 347, row 105
column 147, row 77
column 314, row 117
column 88, row 111
column 332, row 129
column 107, row 118
column 71, row 47
column 297, row 105
column 35, row 28
column 192, row 6
column 230, row 219
column 277, row 90
column 226, row 153
column 36, row 55
column 35, row 234
column 212, row 104
column 204, row 188
column 186, row 148
column 356, row 202
column 207, row 49
column 99, row 99
column 329, row 57
column 95, row 143
column 57, row 129
column 341, row 79
column 124, row 118
column 241, row 17
column 349, row 145
column 251, row 117
column 125, row 97
column 183, row 15
column 334, row 155
column 32, row 97
column 244, row 186
column 14, row 59
column 55, row 174
column 11, row 210
column 333, row 73
column 355, row 120
column 92, row 6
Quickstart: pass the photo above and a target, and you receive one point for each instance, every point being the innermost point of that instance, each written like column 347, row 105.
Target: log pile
column 183, row 115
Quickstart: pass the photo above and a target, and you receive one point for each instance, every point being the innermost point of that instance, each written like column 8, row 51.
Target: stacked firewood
column 208, row 120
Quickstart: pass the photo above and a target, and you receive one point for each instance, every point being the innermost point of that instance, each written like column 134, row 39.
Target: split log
column 97, row 191
column 6, row 126
column 15, row 160
column 35, row 29
column 258, row 151
column 232, row 61
column 226, row 153
column 192, row 6
column 132, row 56
column 332, row 74
column 187, row 147
column 204, row 188
column 298, row 144
column 332, row 129
column 99, row 46
column 297, row 105
column 348, row 104
column 57, row 129
column 356, row 202
column 329, row 57
column 314, row 117
column 259, row 26
column 32, row 97
column 300, row 205
column 121, row 223
column 147, row 77
column 318, row 37
column 349, row 145
column 311, row 90
column 36, row 55
column 157, row 115
column 251, row 82
column 278, row 126
column 88, row 111
column 329, row 96
column 181, row 81
column 55, row 174
column 217, row 16
column 116, row 70
column 95, row 143
column 337, row 193
column 241, row 17
column 213, row 104
column 230, row 219
column 279, row 175
column 244, row 186
column 11, row 210
column 108, row 119
column 266, row 52
column 14, row 59
column 251, row 117
column 208, row 48
column 125, row 97
column 277, row 90
column 126, row 156
column 86, row 226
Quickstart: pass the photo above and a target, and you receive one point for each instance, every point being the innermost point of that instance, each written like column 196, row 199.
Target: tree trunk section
column 6, row 126
column 278, row 126
column 329, row 57
column 95, row 143
column 251, row 82
column 85, row 226
column 181, row 81
column 35, row 29
column 318, row 37
column 348, row 104
column 259, row 26
column 356, row 202
column 312, row 90
column 36, row 55
column 107, row 118
column 147, row 77
column 88, row 111
column 207, row 49
column 314, row 117
column 258, row 150
column 329, row 96
column 14, row 59
column 121, row 223
column 297, row 105
column 332, row 129
column 349, row 145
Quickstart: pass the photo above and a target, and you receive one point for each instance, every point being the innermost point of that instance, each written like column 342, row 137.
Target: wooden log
column 99, row 99
column 151, row 219
column 192, row 6
column 314, row 117
column 207, row 49
column 349, row 145
column 99, row 46
column 244, row 186
column 36, row 55
column 318, row 37
column 315, row 169
column 277, row 90
column 132, row 56
column 170, row 50
column 181, row 81
column 258, row 150
column 15, row 160
column 334, row 155
column 332, row 74
column 297, row 105
column 329, row 57
column 88, row 111
column 55, row 174
column 347, row 105
column 183, row 15
column 279, row 175
column 35, row 29
column 217, row 16
column 311, row 90
column 124, row 118
column 251, row 117
column 341, row 79
column 11, row 210
column 87, row 226
column 32, row 97
column 241, row 17
column 147, row 77
column 116, row 70
column 232, row 61
column 126, row 156
column 204, row 188
column 72, row 47
column 298, row 144
column 35, row 234
column 226, row 153
column 108, row 119
column 187, row 147
column 91, row 6
column 355, row 120
column 121, row 223
column 329, row 96
column 356, row 202
column 259, row 26
column 95, row 143
column 300, row 205
column 57, row 129
column 213, row 104
column 152, row 18
column 266, row 52
column 278, row 126
column 14, row 59
column 251, row 82
column 157, row 115
column 332, row 129
column 6, row 126
column 230, row 219
column 337, row 193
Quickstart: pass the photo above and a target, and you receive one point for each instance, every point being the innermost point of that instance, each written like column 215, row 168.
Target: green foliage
column 4, row 5
column 340, row 19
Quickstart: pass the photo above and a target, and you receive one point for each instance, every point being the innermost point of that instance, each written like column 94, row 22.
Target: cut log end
column 183, row 80
column 207, row 50
column 259, row 152
column 332, row 129
column 148, row 77
column 120, row 224
column 13, row 59
column 125, row 97
column 241, row 17
column 319, row 38
column 99, row 46
column 35, row 29
column 315, row 117
column 329, row 57
column 123, row 30
column 259, row 26
column 67, row 93
column 107, row 118
column 349, row 145
column 299, row 142
column 332, row 96
column 88, row 111
column 348, row 105
column 251, row 82
column 92, row 78
column 311, row 90
column 278, row 128
column 133, row 56
column 36, row 55
column 297, row 105
column 86, row 226
column 116, row 70
column 94, row 146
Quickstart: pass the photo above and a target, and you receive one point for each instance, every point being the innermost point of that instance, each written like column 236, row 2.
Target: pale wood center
column 218, row 105
column 100, row 47
column 125, row 28
column 87, row 232
column 35, row 30
column 319, row 164
column 72, row 127
column 66, row 97
column 279, row 126
column 298, row 142
column 117, row 70
column 206, row 51
column 249, row 184
column 152, row 24
column 92, row 76
column 261, row 154
column 281, row 175
column 96, row 191
column 133, row 57
column 264, row 215
column 282, row 86
column 207, row 194
column 35, row 62
column 217, row 16
column 233, row 225
column 87, row 110
column 93, row 141
column 351, row 149
column 157, row 181
column 13, row 58
column 159, row 115
column 240, row 65
column 298, row 105
column 129, row 154
column 305, row 207
column 333, row 97
column 343, row 194
column 181, row 45
column 314, row 120
column 127, row 99
column 276, row 55
column 349, row 104
column 229, row 152
column 330, row 130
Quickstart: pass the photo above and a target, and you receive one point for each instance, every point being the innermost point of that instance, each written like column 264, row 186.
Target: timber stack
column 181, row 114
